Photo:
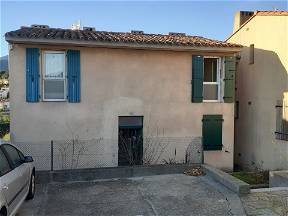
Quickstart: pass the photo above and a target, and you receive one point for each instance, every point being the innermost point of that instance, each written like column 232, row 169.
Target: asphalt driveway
column 176, row 194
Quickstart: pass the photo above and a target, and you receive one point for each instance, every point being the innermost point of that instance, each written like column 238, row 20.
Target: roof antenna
column 76, row 25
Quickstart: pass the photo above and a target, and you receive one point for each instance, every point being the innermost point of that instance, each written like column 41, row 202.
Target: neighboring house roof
column 271, row 13
column 260, row 13
column 90, row 37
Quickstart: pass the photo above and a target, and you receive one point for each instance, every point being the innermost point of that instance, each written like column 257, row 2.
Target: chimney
column 176, row 34
column 137, row 32
column 85, row 28
column 39, row 26
column 240, row 18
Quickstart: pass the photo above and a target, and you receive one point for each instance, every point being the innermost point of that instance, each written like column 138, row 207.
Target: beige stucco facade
column 259, row 86
column 120, row 82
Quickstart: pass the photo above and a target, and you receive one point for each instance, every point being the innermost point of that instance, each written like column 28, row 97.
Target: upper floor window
column 211, row 82
column 54, row 76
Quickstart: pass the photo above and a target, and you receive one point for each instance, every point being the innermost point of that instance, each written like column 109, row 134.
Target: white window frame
column 43, row 75
column 219, row 63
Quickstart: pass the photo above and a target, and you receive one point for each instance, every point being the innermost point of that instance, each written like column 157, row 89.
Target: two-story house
column 171, row 87
column 261, row 133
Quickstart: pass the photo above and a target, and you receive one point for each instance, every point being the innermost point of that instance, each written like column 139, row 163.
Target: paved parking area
column 176, row 194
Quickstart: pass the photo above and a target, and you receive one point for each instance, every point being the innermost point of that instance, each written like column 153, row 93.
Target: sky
column 212, row 19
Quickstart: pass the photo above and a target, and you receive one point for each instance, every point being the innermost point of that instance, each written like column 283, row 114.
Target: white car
column 17, row 179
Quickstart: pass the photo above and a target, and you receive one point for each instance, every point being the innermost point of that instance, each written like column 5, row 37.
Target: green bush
column 4, row 124
column 6, row 137
column 4, row 119
column 253, row 178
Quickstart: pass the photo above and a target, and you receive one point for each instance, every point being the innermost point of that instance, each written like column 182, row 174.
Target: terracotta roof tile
column 272, row 13
column 50, row 34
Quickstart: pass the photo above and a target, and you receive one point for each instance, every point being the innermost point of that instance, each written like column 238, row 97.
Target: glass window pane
column 214, row 70
column 13, row 155
column 210, row 70
column 4, row 165
column 210, row 92
column 54, row 65
column 130, row 121
column 54, row 89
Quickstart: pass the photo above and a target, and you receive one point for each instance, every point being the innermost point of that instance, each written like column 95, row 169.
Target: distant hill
column 4, row 63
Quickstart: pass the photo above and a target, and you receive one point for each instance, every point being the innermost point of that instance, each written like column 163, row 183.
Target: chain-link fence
column 40, row 151
column 76, row 153
column 100, row 152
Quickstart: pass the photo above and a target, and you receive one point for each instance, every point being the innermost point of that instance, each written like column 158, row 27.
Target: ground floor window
column 212, row 132
column 281, row 132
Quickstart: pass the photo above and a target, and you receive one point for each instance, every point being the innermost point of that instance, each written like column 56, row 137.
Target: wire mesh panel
column 40, row 152
column 194, row 151
column 76, row 153
column 100, row 152
column 172, row 150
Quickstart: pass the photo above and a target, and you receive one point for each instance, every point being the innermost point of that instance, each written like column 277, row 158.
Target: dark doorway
column 130, row 140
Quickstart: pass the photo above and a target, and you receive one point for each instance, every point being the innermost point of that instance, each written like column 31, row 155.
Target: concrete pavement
column 266, row 202
column 175, row 194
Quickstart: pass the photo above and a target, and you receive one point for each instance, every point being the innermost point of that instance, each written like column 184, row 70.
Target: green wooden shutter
column 197, row 79
column 73, row 76
column 212, row 132
column 32, row 75
column 229, row 88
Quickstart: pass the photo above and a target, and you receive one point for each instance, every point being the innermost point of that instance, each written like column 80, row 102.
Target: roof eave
column 120, row 45
column 242, row 26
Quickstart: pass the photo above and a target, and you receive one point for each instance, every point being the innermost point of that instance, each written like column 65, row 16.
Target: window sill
column 54, row 100
column 281, row 136
column 212, row 148
column 212, row 101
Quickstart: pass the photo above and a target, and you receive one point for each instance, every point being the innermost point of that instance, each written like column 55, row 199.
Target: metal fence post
column 51, row 155
column 202, row 152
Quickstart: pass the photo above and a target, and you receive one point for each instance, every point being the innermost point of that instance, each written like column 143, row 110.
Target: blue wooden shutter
column 197, row 79
column 212, row 132
column 73, row 75
column 32, row 75
column 229, row 88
